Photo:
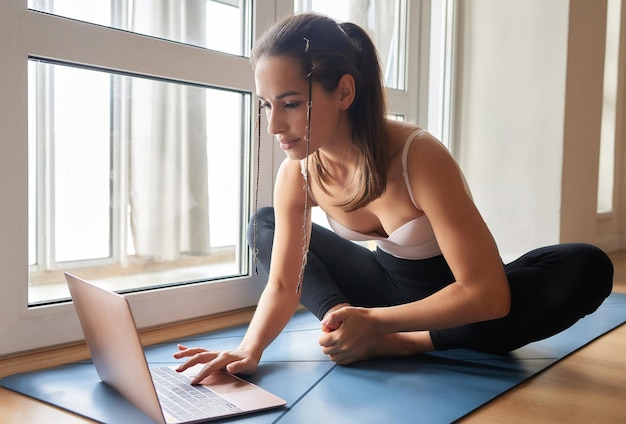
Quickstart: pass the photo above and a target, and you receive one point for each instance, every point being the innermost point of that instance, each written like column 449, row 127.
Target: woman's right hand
column 239, row 361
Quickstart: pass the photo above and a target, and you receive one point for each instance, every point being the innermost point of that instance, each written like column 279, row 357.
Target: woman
column 436, row 280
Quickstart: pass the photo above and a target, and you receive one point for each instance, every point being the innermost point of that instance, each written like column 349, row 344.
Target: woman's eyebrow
column 283, row 95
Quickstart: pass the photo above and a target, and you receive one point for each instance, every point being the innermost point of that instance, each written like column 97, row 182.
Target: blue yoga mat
column 318, row 391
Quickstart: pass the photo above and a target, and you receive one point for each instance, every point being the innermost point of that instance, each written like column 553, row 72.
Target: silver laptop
column 163, row 394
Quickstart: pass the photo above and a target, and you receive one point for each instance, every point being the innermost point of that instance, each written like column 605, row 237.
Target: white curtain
column 168, row 145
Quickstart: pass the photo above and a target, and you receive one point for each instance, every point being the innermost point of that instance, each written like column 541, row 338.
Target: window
column 127, row 171
column 128, row 180
column 126, row 153
column 126, row 159
column 220, row 25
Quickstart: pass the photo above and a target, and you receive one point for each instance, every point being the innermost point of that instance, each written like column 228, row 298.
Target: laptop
column 163, row 394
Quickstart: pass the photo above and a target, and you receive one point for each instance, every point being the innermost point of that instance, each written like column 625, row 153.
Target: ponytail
column 367, row 116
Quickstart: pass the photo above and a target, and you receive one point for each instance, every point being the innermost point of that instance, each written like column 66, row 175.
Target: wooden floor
column 587, row 387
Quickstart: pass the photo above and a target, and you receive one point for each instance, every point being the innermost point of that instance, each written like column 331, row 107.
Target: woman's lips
column 287, row 144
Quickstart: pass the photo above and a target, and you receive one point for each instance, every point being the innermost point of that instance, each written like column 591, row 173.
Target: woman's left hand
column 350, row 335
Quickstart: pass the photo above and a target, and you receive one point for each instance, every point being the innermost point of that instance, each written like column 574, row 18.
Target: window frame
column 25, row 33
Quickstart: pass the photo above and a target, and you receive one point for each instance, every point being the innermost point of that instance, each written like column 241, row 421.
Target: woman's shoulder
column 428, row 162
column 407, row 139
column 402, row 133
column 289, row 182
column 290, row 169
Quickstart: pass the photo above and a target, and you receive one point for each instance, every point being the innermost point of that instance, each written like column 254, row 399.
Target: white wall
column 527, row 122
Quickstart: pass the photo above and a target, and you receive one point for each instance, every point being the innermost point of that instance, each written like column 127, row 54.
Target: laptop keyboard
column 183, row 402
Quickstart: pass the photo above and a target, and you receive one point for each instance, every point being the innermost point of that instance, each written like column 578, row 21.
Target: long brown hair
column 336, row 49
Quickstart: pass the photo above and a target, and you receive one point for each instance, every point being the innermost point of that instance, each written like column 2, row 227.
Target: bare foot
column 388, row 346
column 401, row 344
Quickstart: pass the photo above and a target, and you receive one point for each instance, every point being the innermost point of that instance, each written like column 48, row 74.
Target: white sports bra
column 413, row 240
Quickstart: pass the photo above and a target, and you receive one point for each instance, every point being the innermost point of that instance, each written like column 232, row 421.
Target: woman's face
column 284, row 92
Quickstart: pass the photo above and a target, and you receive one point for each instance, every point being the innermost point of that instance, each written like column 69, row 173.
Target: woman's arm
column 279, row 299
column 481, row 291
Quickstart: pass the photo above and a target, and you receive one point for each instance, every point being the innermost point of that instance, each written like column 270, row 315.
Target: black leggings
column 551, row 287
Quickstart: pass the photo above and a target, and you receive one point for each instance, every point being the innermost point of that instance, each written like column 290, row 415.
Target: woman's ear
column 345, row 91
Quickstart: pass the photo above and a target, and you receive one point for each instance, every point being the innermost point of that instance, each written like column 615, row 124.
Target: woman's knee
column 589, row 273
column 599, row 269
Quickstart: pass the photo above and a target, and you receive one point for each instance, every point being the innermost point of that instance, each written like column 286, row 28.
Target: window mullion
column 119, row 169
column 45, row 162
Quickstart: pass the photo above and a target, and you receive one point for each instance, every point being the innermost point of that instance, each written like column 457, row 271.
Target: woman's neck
column 340, row 160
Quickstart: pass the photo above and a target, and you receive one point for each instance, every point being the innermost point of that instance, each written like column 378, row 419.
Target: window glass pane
column 385, row 22
column 138, row 181
column 80, row 162
column 213, row 24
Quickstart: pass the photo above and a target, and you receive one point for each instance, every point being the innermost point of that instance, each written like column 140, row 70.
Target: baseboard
column 59, row 355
